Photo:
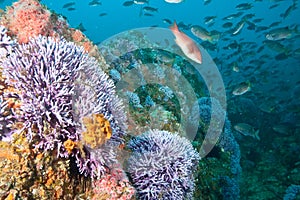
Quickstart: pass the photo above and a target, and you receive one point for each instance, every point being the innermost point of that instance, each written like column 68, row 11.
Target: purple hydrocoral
column 6, row 120
column 6, row 44
column 6, row 113
column 44, row 71
column 162, row 165
column 59, row 85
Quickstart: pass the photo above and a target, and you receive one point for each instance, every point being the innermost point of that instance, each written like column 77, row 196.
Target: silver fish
column 281, row 33
column 247, row 130
column 241, row 88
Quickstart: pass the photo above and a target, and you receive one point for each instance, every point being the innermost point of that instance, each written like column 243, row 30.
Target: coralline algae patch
column 29, row 174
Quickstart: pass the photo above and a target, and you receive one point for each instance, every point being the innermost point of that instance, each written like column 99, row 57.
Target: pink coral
column 113, row 186
column 27, row 18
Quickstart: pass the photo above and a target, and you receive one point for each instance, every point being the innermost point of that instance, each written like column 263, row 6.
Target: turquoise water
column 271, row 163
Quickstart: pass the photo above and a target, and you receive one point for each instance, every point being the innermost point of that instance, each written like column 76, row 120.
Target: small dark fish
column 68, row 4
column 227, row 25
column 244, row 6
column 206, row 2
column 251, row 26
column 102, row 14
column 258, row 20
column 209, row 46
column 233, row 45
column 81, row 27
column 95, row 3
column 232, row 16
column 148, row 14
column 150, row 9
column 274, row 6
column 209, row 19
column 260, row 49
column 71, row 9
column 184, row 26
column 283, row 128
column 140, row 2
column 281, row 56
column 167, row 21
column 289, row 10
column 274, row 24
column 276, row 46
column 248, row 16
column 128, row 3
column 297, row 52
column 261, row 28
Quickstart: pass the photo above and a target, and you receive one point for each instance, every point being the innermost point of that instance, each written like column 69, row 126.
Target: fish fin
column 213, row 39
column 174, row 27
column 296, row 29
column 256, row 135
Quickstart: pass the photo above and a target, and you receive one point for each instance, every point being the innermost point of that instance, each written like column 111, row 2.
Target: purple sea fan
column 162, row 165
column 59, row 84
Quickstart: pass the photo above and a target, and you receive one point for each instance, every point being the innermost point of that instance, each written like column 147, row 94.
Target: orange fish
column 186, row 44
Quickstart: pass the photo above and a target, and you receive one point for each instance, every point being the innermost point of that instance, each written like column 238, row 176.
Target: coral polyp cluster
column 27, row 18
column 162, row 165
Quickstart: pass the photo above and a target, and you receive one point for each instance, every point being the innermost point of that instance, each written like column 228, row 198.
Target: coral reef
column 63, row 129
column 291, row 192
column 27, row 18
column 50, row 110
column 31, row 174
column 162, row 165
column 113, row 186
column 226, row 151
column 6, row 104
column 57, row 137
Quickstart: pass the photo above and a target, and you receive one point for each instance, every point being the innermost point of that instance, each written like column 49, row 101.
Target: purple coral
column 58, row 85
column 6, row 113
column 6, row 120
column 6, row 44
column 162, row 165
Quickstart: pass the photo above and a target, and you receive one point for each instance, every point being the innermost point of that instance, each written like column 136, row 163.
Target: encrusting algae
column 98, row 130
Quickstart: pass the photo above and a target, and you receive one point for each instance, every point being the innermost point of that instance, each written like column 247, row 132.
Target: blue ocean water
column 271, row 106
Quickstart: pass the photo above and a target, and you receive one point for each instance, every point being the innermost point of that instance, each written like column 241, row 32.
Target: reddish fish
column 186, row 44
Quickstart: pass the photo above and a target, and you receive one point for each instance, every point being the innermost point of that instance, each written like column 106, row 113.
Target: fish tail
column 174, row 27
column 214, row 39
